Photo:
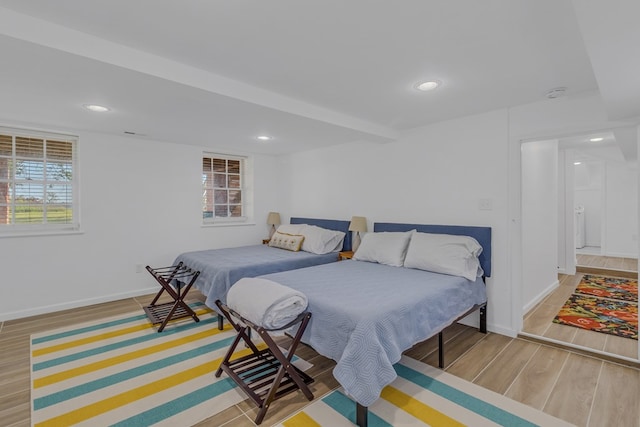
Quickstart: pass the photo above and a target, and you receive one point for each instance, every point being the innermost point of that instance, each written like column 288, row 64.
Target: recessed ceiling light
column 577, row 163
column 427, row 86
column 596, row 139
column 96, row 108
column 264, row 138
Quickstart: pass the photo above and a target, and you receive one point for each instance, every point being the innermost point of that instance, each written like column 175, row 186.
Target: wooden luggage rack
column 264, row 375
column 176, row 281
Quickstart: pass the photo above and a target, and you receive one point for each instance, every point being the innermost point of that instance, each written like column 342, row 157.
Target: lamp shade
column 358, row 223
column 273, row 218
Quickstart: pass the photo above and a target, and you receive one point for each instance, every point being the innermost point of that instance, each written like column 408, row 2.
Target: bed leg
column 483, row 319
column 361, row 415
column 440, row 350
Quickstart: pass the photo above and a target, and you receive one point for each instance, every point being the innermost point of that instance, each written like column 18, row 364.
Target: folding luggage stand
column 264, row 375
column 179, row 277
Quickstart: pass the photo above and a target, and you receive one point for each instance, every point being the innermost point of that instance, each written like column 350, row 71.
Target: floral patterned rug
column 608, row 287
column 603, row 304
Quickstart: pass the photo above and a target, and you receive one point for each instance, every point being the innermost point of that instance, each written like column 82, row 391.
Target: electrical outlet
column 139, row 268
column 485, row 204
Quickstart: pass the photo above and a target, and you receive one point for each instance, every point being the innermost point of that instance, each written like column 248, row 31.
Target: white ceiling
column 309, row 73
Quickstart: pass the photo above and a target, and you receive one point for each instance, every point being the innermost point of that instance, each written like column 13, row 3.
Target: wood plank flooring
column 538, row 321
column 606, row 262
column 587, row 391
column 607, row 266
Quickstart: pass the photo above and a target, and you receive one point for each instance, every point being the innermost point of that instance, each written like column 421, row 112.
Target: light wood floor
column 583, row 390
column 538, row 321
column 608, row 266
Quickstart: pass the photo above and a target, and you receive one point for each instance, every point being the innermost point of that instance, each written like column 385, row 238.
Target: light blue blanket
column 221, row 268
column 364, row 315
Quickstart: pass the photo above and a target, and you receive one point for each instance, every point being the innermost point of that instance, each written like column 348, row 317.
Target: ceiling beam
column 44, row 33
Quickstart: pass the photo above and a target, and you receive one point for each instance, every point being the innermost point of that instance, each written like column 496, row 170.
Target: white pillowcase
column 385, row 247
column 319, row 240
column 445, row 253
column 290, row 228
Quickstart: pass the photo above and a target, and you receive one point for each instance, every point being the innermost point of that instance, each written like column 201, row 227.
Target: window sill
column 40, row 233
column 227, row 224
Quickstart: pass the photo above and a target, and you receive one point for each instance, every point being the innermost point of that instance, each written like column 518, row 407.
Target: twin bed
column 221, row 268
column 365, row 314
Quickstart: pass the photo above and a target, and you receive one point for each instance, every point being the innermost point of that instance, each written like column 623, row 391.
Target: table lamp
column 273, row 219
column 358, row 224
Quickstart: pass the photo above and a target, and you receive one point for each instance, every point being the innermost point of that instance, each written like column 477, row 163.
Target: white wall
column 435, row 174
column 561, row 214
column 621, row 209
column 608, row 190
column 589, row 176
column 539, row 220
column 140, row 204
column 566, row 214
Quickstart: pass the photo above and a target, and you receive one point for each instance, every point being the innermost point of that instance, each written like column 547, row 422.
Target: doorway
column 558, row 175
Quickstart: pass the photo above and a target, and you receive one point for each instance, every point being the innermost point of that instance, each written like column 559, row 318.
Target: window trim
column 44, row 229
column 245, row 188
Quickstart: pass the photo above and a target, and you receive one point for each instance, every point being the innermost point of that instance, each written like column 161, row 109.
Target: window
column 223, row 190
column 38, row 187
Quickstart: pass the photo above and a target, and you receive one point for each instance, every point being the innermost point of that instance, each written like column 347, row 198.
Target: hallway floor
column 538, row 321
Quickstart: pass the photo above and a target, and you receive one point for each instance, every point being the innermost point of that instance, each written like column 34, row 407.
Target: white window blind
column 223, row 188
column 38, row 187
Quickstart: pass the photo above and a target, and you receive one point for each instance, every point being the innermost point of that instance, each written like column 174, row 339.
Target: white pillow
column 319, row 240
column 385, row 248
column 445, row 253
column 290, row 228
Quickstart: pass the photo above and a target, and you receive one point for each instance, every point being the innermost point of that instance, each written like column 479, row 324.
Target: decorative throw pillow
column 445, row 253
column 290, row 242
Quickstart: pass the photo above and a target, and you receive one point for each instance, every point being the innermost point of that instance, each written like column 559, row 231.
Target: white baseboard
column 621, row 255
column 542, row 295
column 567, row 272
column 493, row 328
column 75, row 304
column 512, row 333
column 473, row 320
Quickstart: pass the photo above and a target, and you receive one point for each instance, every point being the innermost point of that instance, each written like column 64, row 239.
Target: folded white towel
column 265, row 302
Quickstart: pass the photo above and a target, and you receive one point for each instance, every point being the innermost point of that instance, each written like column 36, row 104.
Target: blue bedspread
column 364, row 315
column 221, row 268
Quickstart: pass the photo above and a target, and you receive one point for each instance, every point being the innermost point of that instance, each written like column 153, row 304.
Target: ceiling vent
column 556, row 92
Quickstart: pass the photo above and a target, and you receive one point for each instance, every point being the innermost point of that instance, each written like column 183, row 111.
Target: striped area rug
column 424, row 396
column 121, row 372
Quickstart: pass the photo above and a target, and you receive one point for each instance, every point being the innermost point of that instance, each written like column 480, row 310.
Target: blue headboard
column 331, row 224
column 481, row 234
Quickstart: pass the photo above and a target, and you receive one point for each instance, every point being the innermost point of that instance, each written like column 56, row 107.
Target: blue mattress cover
column 364, row 315
column 221, row 268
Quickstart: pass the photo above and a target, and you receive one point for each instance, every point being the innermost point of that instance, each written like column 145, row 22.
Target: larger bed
column 365, row 314
column 221, row 268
